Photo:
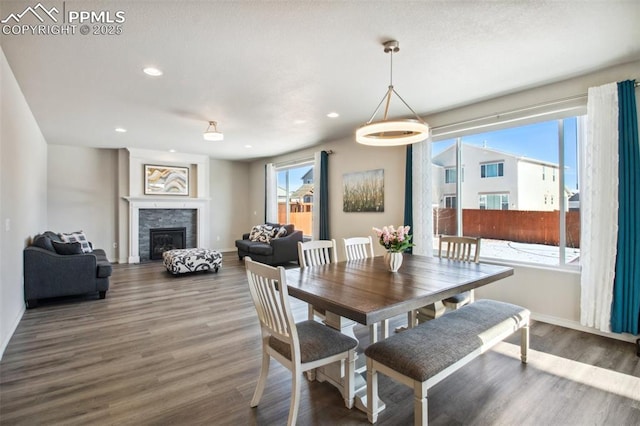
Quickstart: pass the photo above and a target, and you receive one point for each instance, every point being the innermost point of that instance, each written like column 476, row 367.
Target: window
column 494, row 202
column 450, row 201
column 520, row 217
column 491, row 170
column 295, row 196
column 450, row 175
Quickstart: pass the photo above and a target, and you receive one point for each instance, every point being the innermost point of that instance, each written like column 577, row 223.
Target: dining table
column 365, row 292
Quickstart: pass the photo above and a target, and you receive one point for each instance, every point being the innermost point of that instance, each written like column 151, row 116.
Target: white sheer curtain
column 422, row 203
column 271, row 196
column 599, row 206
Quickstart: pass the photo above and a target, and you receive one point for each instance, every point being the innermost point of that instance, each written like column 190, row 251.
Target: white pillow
column 262, row 233
column 77, row 237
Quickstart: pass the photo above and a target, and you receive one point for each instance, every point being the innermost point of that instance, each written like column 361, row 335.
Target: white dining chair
column 298, row 347
column 464, row 249
column 314, row 253
column 357, row 248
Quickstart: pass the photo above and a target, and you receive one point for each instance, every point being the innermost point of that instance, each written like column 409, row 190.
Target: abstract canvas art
column 363, row 191
column 166, row 180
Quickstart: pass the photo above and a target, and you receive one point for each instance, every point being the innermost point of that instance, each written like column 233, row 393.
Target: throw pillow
column 261, row 233
column 67, row 248
column 43, row 242
column 77, row 237
column 282, row 232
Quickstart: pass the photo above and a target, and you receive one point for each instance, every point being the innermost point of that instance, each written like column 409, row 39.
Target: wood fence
column 534, row 227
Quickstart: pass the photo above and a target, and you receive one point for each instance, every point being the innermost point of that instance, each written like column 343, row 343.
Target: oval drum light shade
column 392, row 132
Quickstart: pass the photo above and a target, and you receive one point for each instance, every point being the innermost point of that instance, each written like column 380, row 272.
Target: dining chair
column 464, row 249
column 357, row 248
column 314, row 253
column 298, row 347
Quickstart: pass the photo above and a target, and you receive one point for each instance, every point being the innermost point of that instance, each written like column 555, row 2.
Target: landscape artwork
column 363, row 191
column 166, row 180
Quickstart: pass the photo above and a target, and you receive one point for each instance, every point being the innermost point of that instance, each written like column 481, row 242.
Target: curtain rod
column 532, row 107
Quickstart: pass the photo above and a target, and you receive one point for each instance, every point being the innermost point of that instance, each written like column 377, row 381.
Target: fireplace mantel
column 201, row 205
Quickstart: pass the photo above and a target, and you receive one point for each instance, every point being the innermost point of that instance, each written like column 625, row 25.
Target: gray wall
column 23, row 195
column 82, row 189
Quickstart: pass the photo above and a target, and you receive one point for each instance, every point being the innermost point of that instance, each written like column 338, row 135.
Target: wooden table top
column 366, row 292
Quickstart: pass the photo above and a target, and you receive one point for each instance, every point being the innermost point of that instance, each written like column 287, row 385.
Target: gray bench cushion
column 317, row 341
column 424, row 351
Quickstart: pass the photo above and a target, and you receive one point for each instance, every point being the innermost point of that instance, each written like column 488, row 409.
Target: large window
column 491, row 170
column 531, row 214
column 295, row 196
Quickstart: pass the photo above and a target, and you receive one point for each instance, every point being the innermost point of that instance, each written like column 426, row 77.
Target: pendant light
column 392, row 132
column 212, row 133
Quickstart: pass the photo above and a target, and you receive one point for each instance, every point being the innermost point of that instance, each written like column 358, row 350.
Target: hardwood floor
column 185, row 350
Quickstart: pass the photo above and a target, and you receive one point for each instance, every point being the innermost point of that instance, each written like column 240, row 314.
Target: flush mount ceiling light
column 152, row 71
column 212, row 133
column 392, row 132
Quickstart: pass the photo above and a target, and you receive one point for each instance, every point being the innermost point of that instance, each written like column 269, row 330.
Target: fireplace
column 164, row 239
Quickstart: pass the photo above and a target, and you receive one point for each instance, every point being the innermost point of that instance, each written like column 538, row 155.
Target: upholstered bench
column 180, row 261
column 421, row 357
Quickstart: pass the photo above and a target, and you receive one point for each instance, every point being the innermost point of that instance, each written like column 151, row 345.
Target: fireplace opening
column 164, row 239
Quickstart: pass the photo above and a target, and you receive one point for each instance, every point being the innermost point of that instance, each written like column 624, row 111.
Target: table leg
column 334, row 373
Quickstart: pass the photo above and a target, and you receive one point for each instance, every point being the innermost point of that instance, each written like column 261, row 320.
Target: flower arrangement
column 394, row 240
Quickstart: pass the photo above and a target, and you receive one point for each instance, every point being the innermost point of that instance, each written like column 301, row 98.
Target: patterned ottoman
column 191, row 260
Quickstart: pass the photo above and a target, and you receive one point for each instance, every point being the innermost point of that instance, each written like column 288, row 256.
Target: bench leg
column 524, row 343
column 372, row 392
column 420, row 405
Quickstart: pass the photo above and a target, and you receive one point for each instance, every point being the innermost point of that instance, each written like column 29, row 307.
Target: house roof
column 441, row 158
column 269, row 72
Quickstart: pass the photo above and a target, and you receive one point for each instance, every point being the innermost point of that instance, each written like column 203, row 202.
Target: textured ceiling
column 269, row 72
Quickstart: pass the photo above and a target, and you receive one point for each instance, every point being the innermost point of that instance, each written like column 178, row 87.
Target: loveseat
column 53, row 268
column 270, row 243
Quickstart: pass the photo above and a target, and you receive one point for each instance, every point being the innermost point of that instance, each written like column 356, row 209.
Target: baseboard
column 13, row 328
column 574, row 325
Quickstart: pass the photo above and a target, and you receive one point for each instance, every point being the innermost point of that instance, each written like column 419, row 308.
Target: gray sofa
column 277, row 251
column 50, row 274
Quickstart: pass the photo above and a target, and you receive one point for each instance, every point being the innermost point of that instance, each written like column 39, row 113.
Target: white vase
column 394, row 260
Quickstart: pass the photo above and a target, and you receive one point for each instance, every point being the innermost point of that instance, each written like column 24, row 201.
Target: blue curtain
column 324, row 196
column 625, row 310
column 408, row 193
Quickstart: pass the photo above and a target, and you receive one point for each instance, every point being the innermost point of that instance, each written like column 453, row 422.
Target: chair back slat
column 318, row 252
column 465, row 249
column 270, row 296
column 358, row 247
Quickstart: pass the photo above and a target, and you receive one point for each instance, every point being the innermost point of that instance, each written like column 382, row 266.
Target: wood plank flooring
column 186, row 351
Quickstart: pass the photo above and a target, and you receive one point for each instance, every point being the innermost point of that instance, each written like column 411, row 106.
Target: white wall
column 23, row 195
column 82, row 193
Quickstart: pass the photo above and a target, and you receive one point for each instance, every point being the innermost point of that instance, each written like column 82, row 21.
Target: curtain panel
column 625, row 312
column 599, row 207
column 321, row 196
column 271, row 194
column 421, row 193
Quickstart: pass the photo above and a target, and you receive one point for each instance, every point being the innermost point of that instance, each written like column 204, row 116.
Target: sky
column 537, row 141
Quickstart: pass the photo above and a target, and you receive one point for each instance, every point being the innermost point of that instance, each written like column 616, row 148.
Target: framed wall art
column 363, row 191
column 166, row 180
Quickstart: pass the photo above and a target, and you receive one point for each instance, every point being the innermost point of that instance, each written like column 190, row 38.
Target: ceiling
column 269, row 72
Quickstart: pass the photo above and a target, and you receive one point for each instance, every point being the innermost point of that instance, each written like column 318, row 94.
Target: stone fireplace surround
column 141, row 203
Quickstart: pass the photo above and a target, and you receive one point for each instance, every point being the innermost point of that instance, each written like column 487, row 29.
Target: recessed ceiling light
column 333, row 115
column 152, row 71
column 248, row 146
column 121, row 130
column 172, row 150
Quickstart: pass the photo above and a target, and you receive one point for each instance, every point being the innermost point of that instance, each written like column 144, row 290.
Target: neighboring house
column 495, row 180
column 304, row 194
